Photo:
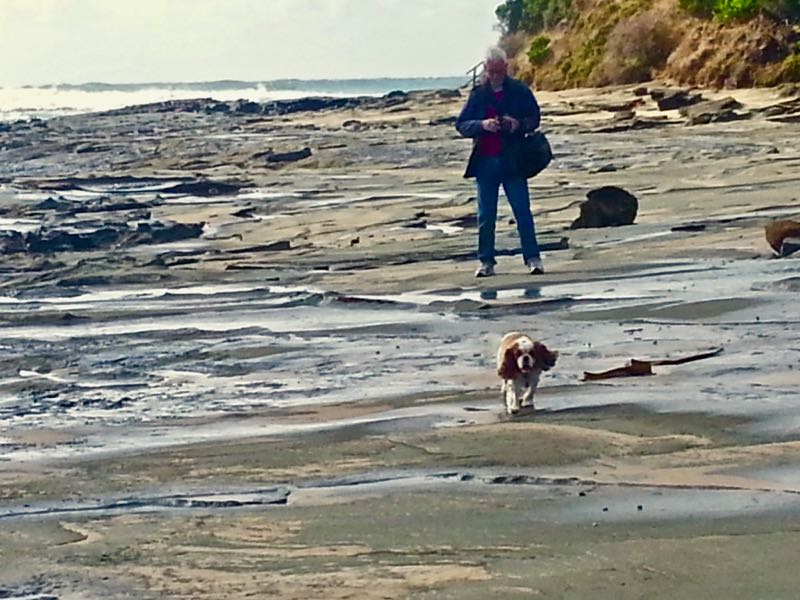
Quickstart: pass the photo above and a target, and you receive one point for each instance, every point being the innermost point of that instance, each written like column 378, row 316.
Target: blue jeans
column 489, row 178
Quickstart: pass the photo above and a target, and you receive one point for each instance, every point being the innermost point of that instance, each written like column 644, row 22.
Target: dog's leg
column 514, row 389
column 531, row 383
column 511, row 397
column 527, row 398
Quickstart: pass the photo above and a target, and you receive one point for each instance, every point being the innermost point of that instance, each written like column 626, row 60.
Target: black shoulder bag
column 532, row 154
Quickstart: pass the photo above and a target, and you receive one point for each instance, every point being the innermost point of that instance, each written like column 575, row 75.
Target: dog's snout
column 526, row 361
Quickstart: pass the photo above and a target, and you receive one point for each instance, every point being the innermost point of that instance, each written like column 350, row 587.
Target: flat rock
column 712, row 111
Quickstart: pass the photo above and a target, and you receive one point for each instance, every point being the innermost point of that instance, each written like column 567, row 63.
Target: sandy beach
column 244, row 356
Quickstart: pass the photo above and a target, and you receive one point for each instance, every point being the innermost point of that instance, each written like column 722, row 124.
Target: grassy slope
column 627, row 41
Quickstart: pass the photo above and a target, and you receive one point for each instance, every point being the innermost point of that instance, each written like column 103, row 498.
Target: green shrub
column 531, row 16
column 509, row 13
column 700, row 8
column 736, row 10
column 791, row 66
column 539, row 51
column 788, row 10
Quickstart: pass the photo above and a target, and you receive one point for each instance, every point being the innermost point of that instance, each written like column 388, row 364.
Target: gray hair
column 496, row 54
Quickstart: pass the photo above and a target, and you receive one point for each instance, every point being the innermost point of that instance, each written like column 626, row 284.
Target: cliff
column 577, row 43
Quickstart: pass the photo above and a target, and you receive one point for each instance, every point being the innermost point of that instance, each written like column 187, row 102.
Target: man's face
column 496, row 71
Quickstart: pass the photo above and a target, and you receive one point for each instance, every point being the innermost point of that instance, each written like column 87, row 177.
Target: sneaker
column 536, row 267
column 485, row 270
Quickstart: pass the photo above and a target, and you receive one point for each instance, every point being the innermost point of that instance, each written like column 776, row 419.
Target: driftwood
column 638, row 368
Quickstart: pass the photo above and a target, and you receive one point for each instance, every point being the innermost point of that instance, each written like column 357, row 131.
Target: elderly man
column 498, row 112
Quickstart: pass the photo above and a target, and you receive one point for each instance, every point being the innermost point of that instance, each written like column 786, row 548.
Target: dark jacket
column 518, row 101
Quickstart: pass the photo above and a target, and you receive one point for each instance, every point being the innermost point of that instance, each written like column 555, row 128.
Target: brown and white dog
column 520, row 363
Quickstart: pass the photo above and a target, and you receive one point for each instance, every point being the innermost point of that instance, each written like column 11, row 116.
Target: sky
column 131, row 41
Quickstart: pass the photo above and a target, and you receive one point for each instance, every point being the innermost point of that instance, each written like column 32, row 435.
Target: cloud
column 146, row 40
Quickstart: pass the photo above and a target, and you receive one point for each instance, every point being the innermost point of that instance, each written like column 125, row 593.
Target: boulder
column 11, row 242
column 448, row 93
column 712, row 111
column 673, row 100
column 777, row 231
column 247, row 107
column 279, row 157
column 608, row 206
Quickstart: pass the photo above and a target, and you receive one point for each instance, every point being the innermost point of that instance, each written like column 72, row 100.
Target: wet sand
column 300, row 402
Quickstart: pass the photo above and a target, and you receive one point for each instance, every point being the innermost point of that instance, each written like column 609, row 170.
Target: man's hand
column 510, row 123
column 491, row 125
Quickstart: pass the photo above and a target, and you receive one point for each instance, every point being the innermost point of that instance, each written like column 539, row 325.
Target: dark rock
column 355, row 125
column 673, row 100
column 640, row 91
column 396, row 94
column 712, row 111
column 218, row 107
column 447, row 93
column 689, row 227
column 448, row 120
column 244, row 213
column 106, row 205
column 203, row 188
column 53, row 204
column 419, row 224
column 792, row 118
column 283, row 107
column 609, row 168
column 163, row 233
column 465, row 221
column 790, row 246
column 608, row 206
column 47, row 242
column 247, row 107
column 271, row 247
column 12, row 242
column 91, row 148
column 637, row 123
column 289, row 156
column 88, row 280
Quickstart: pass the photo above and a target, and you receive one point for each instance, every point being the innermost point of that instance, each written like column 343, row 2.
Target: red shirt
column 491, row 144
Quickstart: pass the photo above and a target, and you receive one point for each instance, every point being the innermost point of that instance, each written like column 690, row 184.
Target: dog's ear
column 508, row 368
column 545, row 358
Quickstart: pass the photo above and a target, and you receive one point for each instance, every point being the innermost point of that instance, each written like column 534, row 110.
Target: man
column 498, row 112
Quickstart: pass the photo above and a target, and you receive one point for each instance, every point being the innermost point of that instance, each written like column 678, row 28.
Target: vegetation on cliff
column 719, row 43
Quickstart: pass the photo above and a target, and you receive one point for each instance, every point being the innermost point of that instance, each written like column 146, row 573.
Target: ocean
column 47, row 101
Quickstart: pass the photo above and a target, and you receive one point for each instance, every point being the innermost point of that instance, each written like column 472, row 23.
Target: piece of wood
column 639, row 368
